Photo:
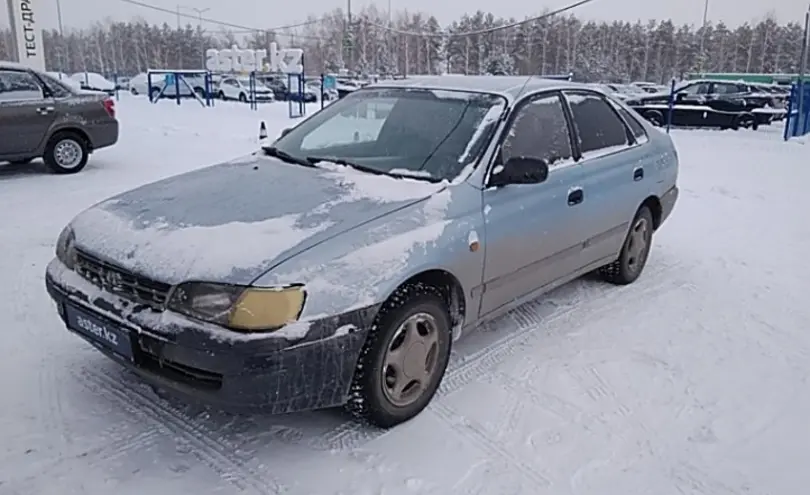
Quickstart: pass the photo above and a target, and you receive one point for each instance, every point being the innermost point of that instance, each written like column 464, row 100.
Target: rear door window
column 599, row 127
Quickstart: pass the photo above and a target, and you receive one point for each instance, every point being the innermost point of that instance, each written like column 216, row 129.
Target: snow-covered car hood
column 233, row 222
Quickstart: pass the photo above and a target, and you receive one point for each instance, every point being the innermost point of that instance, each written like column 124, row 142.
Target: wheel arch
column 653, row 203
column 447, row 284
column 69, row 129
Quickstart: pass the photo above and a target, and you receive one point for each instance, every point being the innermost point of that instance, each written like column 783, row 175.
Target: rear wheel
column 635, row 251
column 154, row 93
column 242, row 97
column 66, row 153
column 404, row 358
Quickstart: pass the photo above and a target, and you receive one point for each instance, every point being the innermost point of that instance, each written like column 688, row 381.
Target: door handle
column 638, row 173
column 575, row 196
column 45, row 110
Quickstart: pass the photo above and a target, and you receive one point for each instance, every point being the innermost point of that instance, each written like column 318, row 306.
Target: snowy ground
column 694, row 380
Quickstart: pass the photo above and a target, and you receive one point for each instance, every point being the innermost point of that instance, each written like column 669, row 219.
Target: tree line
column 415, row 43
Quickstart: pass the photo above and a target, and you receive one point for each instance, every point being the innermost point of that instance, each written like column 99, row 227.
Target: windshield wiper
column 286, row 157
column 369, row 170
column 340, row 161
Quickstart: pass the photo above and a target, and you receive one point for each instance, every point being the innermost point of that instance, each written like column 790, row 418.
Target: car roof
column 4, row 64
column 509, row 87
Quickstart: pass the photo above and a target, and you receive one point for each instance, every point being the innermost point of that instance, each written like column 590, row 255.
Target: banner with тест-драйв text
column 26, row 26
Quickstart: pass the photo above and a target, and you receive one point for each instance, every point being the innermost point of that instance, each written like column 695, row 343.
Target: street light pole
column 199, row 13
column 703, row 37
column 63, row 53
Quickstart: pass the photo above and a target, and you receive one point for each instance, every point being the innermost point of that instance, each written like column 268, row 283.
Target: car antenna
column 526, row 83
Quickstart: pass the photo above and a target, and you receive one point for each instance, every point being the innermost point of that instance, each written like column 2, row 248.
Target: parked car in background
column 238, row 88
column 649, row 87
column 93, row 81
column 122, row 83
column 189, row 84
column 708, row 103
column 621, row 91
column 348, row 255
column 282, row 92
column 314, row 85
column 41, row 116
column 65, row 79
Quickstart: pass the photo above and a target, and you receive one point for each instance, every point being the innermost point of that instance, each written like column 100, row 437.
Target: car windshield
column 430, row 134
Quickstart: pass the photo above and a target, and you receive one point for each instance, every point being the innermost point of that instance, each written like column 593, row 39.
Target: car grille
column 122, row 282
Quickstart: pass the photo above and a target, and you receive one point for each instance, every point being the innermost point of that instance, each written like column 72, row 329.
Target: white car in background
column 238, row 88
column 94, row 81
column 139, row 85
column 65, row 79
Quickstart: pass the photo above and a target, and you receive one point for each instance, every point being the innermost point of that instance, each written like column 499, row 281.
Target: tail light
column 109, row 106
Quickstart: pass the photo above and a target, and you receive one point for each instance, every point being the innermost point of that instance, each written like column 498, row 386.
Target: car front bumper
column 208, row 365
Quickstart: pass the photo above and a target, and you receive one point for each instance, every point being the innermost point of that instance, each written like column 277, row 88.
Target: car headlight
column 66, row 247
column 248, row 309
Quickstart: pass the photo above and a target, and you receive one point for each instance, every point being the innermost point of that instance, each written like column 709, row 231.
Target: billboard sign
column 26, row 27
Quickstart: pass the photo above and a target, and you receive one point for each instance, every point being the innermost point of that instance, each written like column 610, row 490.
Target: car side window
column 598, row 125
column 19, row 86
column 696, row 89
column 539, row 130
column 725, row 89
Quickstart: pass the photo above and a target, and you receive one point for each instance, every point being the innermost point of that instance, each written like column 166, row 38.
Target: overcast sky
column 267, row 14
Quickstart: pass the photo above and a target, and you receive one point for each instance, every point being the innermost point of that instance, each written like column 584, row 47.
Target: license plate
column 98, row 331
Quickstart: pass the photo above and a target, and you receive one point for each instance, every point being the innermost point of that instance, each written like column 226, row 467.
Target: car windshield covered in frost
column 422, row 133
column 336, row 265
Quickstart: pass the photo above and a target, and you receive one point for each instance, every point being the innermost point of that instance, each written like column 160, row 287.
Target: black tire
column 655, row 117
column 221, row 95
column 133, row 91
column 154, row 94
column 242, row 98
column 72, row 143
column 746, row 121
column 200, row 92
column 630, row 263
column 368, row 400
column 24, row 161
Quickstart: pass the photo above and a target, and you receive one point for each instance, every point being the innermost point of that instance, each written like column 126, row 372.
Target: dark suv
column 710, row 103
column 43, row 117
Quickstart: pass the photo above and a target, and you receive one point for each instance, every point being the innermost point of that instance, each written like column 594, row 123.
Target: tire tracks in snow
column 62, row 465
column 528, row 322
column 211, row 449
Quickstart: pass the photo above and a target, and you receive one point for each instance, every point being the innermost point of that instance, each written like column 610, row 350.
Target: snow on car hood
column 232, row 222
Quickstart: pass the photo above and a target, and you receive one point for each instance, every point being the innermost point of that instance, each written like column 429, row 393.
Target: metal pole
column 702, row 51
column 63, row 53
column 802, row 70
column 350, row 34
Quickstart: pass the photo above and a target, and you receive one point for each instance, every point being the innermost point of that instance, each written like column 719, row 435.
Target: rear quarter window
column 632, row 122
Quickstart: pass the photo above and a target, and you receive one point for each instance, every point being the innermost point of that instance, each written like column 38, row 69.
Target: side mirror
column 286, row 131
column 680, row 96
column 520, row 170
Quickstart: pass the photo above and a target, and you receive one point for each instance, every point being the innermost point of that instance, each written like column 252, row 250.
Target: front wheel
column 404, row 358
column 635, row 251
column 66, row 153
column 242, row 98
